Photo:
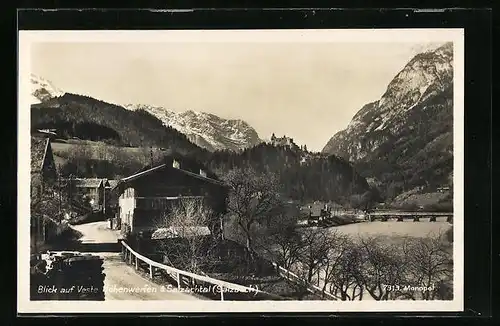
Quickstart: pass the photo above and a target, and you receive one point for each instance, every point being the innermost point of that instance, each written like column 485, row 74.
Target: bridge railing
column 401, row 216
column 188, row 279
column 396, row 213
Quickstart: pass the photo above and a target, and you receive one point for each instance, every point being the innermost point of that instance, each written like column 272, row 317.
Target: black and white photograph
column 240, row 170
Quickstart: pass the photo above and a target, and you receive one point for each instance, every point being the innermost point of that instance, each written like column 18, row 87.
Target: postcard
column 176, row 171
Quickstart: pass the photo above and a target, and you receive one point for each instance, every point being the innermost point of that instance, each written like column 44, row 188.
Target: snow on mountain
column 425, row 47
column 205, row 129
column 43, row 90
column 409, row 127
column 425, row 76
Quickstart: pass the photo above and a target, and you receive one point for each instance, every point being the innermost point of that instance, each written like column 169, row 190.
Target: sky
column 307, row 91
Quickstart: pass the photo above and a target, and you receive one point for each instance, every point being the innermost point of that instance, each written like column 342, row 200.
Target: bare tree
column 281, row 241
column 287, row 247
column 383, row 268
column 299, row 285
column 188, row 242
column 252, row 199
column 344, row 275
column 339, row 245
column 315, row 252
column 430, row 265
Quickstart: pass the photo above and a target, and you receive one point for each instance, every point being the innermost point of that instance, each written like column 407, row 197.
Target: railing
column 396, row 213
column 186, row 278
column 310, row 287
column 401, row 216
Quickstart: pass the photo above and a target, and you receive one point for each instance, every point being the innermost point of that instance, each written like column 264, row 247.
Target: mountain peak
column 430, row 47
column 207, row 130
column 404, row 136
column 43, row 89
column 204, row 129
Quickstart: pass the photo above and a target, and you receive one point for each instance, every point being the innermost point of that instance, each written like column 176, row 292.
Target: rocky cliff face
column 406, row 136
column 206, row 130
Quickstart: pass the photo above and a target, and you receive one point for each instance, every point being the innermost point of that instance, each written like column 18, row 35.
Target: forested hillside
column 87, row 118
column 303, row 175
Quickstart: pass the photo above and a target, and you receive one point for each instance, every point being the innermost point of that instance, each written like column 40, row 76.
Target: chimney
column 203, row 173
column 176, row 164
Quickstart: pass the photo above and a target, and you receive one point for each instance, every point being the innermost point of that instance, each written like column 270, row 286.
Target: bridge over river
column 417, row 216
column 401, row 213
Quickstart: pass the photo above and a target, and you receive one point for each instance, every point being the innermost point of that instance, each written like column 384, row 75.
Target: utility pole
column 151, row 154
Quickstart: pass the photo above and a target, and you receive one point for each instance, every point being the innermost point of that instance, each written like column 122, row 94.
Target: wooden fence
column 310, row 287
column 191, row 280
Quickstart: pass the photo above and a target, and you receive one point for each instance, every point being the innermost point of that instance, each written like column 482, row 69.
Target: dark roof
column 141, row 173
column 187, row 163
column 39, row 147
column 188, row 166
column 148, row 169
column 112, row 183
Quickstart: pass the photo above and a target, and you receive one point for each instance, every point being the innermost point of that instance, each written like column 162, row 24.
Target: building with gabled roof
column 43, row 176
column 147, row 196
column 43, row 166
column 316, row 211
column 94, row 191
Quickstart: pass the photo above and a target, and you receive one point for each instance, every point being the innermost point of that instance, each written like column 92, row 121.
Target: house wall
column 149, row 208
column 126, row 204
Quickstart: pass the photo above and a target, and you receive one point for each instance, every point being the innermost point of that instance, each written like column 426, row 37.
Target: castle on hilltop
column 282, row 141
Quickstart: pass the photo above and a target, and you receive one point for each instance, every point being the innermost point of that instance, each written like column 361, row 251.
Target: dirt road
column 121, row 281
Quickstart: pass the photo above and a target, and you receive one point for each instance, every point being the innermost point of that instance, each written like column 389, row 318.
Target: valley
column 197, row 198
